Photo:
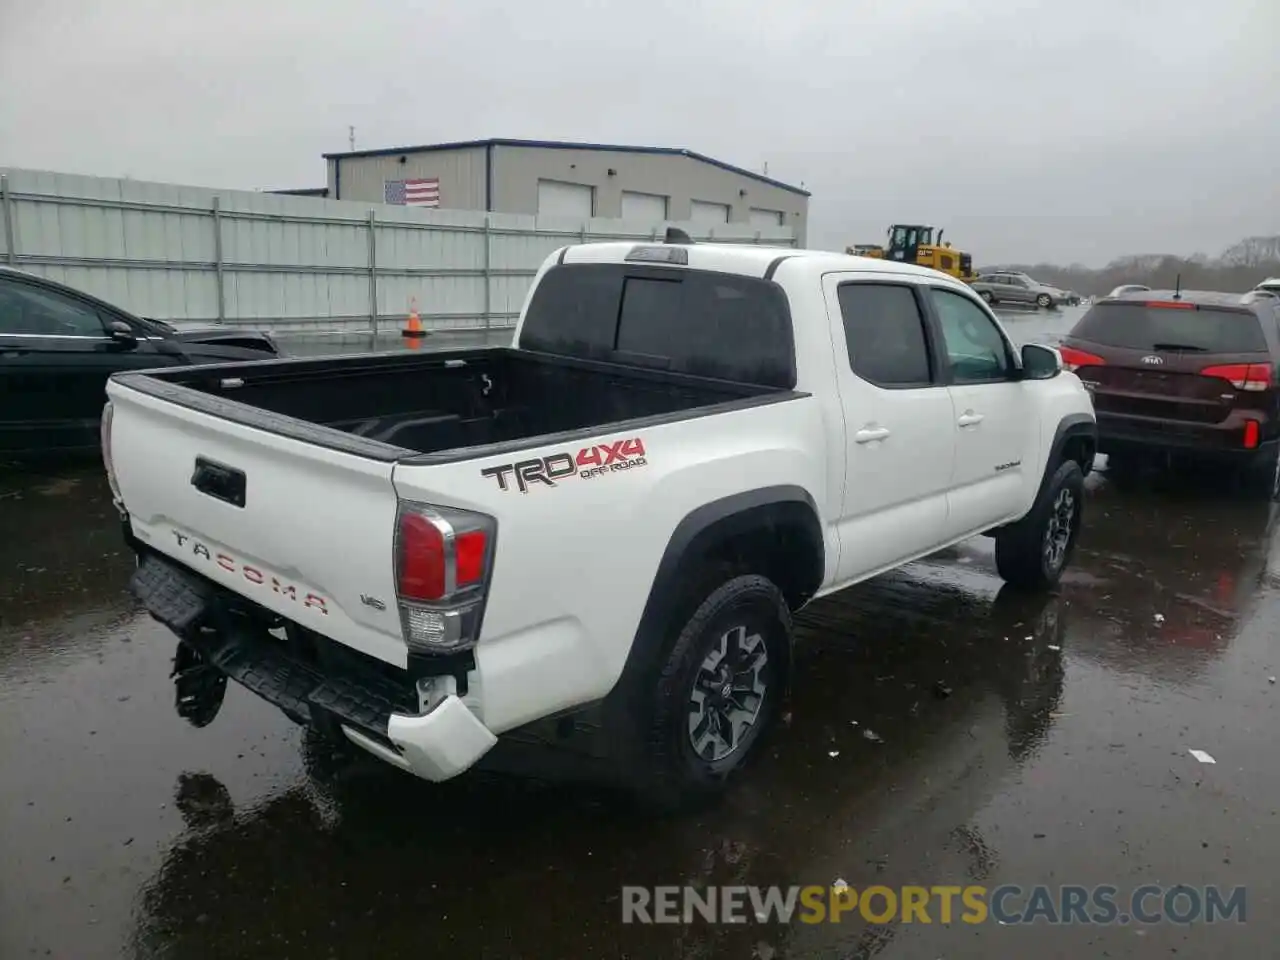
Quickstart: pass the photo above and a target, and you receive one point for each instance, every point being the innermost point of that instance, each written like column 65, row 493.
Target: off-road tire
column 1023, row 557
column 1044, row 301
column 677, row 774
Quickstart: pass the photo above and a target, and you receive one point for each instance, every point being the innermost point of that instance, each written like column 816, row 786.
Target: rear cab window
column 697, row 322
column 1195, row 328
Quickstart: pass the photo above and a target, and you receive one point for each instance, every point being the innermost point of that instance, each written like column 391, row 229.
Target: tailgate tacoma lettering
column 251, row 573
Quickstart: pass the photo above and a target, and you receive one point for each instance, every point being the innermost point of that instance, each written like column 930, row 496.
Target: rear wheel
column 986, row 296
column 719, row 689
column 1032, row 553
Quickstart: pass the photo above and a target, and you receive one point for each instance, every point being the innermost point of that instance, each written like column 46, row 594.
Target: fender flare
column 696, row 535
column 1071, row 426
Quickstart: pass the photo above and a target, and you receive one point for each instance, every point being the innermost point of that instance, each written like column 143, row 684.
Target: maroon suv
column 1184, row 373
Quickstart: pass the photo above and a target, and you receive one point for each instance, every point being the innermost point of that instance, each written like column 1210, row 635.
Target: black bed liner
column 445, row 406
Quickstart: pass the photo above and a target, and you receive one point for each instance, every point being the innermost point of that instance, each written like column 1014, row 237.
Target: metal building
column 572, row 180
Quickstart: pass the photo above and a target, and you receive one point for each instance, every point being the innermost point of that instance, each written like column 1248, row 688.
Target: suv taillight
column 443, row 560
column 1073, row 359
column 104, row 436
column 1243, row 376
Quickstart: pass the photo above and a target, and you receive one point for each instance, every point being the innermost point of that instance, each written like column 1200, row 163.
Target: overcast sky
column 1030, row 129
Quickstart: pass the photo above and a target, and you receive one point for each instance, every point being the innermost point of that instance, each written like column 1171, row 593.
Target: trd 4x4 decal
column 589, row 462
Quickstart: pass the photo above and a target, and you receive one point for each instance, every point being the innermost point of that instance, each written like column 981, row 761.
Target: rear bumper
column 1148, row 435
column 422, row 728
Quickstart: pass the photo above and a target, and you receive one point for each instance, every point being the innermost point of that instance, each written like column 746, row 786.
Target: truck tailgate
column 298, row 528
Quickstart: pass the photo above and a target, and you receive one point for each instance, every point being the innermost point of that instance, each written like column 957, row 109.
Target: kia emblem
column 1153, row 359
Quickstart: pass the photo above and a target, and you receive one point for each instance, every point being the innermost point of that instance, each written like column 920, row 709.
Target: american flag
column 422, row 192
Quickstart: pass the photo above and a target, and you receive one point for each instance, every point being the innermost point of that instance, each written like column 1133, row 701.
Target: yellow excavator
column 914, row 243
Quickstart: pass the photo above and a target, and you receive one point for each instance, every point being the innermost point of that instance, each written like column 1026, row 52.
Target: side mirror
column 122, row 333
column 1040, row 363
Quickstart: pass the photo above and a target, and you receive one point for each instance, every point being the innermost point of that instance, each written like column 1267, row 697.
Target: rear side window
column 1135, row 326
column 884, row 331
column 698, row 322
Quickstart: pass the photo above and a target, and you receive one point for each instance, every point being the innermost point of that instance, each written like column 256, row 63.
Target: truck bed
column 439, row 405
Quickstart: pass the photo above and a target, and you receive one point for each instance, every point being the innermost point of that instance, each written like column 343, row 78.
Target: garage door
column 766, row 218
column 558, row 199
column 644, row 207
column 703, row 212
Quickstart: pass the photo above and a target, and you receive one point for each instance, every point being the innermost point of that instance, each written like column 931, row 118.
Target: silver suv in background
column 1010, row 287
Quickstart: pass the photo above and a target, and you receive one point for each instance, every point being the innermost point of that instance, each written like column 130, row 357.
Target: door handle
column 13, row 352
column 969, row 419
column 870, row 434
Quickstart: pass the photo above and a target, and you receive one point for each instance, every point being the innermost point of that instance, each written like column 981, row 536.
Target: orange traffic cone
column 413, row 328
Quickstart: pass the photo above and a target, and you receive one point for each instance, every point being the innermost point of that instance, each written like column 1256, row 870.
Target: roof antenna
column 676, row 235
column 1177, row 290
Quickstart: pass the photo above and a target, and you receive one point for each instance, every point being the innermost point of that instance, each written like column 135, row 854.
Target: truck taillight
column 1242, row 376
column 443, row 559
column 104, row 436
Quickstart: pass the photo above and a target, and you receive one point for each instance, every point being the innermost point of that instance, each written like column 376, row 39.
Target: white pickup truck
column 606, row 526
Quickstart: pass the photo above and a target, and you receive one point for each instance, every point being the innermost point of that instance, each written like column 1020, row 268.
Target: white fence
column 292, row 264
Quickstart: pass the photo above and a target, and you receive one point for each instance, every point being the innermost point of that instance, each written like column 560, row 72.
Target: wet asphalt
column 1016, row 741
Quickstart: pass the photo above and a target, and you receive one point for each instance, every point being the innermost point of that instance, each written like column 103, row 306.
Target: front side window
column 975, row 346
column 25, row 309
column 884, row 332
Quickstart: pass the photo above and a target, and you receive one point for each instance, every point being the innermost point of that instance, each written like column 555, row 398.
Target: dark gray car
column 59, row 345
column 1010, row 287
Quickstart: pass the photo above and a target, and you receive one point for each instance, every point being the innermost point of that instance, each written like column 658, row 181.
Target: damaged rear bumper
column 423, row 728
